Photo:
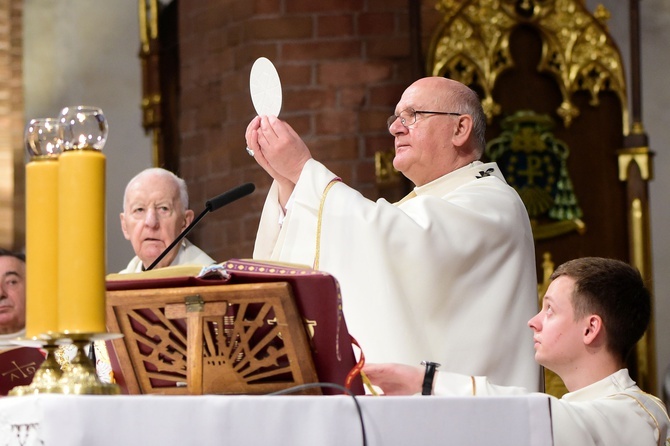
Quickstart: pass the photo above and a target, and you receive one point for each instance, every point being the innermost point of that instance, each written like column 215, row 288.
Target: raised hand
column 282, row 148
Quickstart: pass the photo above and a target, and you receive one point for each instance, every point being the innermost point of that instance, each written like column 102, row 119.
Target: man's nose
column 397, row 127
column 151, row 219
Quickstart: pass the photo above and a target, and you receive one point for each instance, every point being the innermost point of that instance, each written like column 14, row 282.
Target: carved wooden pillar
column 151, row 88
column 635, row 170
column 12, row 177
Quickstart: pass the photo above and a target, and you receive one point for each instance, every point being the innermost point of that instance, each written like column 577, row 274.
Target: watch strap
column 429, row 375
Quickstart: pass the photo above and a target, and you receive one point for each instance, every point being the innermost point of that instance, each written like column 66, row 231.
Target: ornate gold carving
column 637, row 223
column 471, row 45
column 645, row 356
column 149, row 57
column 385, row 173
column 639, row 155
column 548, row 267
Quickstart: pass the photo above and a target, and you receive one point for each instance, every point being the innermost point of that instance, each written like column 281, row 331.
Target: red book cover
column 18, row 367
column 317, row 297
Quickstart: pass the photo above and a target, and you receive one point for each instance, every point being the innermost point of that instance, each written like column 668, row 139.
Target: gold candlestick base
column 81, row 377
column 47, row 377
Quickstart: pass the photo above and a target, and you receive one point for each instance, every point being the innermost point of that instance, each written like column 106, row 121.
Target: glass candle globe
column 83, row 127
column 43, row 137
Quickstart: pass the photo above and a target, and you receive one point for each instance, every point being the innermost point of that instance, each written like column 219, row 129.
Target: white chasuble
column 446, row 276
column 188, row 254
column 610, row 412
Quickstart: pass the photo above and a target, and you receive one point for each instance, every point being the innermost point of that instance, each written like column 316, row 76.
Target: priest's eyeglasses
column 408, row 116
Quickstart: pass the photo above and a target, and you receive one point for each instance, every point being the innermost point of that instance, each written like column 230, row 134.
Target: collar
column 617, row 382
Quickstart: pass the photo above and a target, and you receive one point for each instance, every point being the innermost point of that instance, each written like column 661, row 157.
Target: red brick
column 391, row 5
column 323, row 5
column 352, row 72
column 338, row 91
column 386, row 95
column 217, row 163
column 336, row 122
column 373, row 120
column 236, row 34
column 339, row 25
column 288, row 27
column 295, row 74
column 247, row 54
column 297, row 99
column 352, row 97
column 383, row 23
column 267, row 6
column 335, row 148
column 301, row 123
column 343, row 169
column 365, row 172
column 322, row 50
column 391, row 47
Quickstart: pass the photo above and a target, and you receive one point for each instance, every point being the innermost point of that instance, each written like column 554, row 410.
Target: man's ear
column 126, row 234
column 593, row 329
column 188, row 218
column 462, row 130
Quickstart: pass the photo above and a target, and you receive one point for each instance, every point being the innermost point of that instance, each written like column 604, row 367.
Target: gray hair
column 466, row 102
column 181, row 184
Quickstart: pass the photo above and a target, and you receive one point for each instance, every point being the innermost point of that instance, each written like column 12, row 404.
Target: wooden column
column 635, row 169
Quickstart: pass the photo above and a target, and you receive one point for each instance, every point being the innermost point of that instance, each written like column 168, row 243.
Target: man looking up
column 12, row 296
column 593, row 313
column 447, row 273
column 155, row 211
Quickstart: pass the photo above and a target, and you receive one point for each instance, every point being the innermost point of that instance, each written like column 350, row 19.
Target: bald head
column 459, row 98
column 158, row 172
column 439, row 127
column 155, row 211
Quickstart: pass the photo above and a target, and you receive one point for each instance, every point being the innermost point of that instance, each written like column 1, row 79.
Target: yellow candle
column 81, row 242
column 41, row 246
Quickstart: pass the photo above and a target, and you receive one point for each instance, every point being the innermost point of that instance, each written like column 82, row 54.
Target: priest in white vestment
column 593, row 313
column 446, row 274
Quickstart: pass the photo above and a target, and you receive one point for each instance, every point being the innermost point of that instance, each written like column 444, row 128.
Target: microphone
column 230, row 196
column 210, row 205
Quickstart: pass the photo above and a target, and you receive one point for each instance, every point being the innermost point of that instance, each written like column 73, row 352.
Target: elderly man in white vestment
column 155, row 211
column 593, row 313
column 447, row 273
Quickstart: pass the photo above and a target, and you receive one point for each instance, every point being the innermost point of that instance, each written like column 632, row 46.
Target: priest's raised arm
column 447, row 273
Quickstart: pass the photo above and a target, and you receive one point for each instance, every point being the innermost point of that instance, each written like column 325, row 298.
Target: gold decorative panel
column 472, row 45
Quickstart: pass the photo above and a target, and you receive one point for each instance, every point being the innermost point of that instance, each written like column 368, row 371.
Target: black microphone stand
column 178, row 239
column 211, row 205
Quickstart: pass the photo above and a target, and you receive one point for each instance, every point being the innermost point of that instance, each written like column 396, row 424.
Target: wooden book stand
column 221, row 339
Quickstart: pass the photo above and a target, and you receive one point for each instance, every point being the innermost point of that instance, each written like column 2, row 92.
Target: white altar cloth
column 68, row 420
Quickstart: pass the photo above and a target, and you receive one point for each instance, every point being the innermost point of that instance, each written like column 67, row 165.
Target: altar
column 209, row 420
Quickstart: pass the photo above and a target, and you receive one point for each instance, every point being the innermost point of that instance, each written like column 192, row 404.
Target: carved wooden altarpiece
column 535, row 62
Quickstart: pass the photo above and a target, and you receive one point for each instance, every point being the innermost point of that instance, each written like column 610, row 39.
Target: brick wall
column 11, row 126
column 343, row 66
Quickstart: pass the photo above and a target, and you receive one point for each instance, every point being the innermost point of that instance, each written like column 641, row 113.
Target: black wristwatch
column 431, row 367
